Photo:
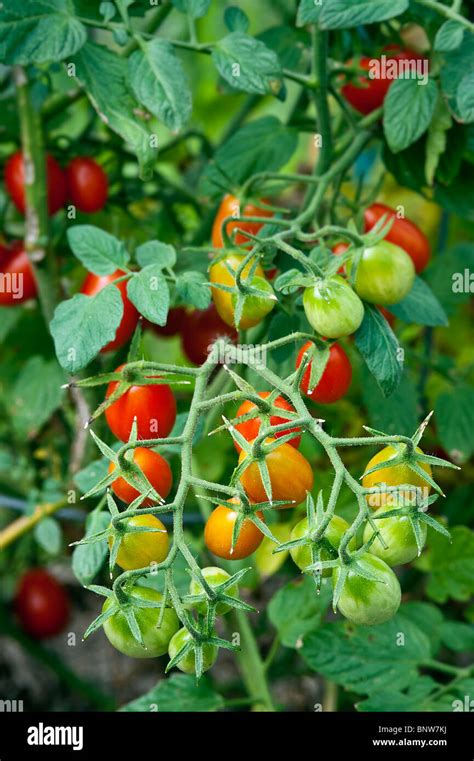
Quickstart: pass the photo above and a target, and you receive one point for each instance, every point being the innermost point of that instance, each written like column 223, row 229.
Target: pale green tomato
column 214, row 576
column 188, row 662
column 333, row 309
column 398, row 535
column 385, row 274
column 335, row 530
column 369, row 602
column 256, row 307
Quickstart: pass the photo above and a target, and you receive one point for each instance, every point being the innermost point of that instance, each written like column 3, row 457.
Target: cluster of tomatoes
column 83, row 183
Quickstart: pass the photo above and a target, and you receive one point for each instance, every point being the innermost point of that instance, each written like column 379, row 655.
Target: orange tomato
column 219, row 529
column 154, row 467
column 250, row 428
column 291, row 476
column 231, row 207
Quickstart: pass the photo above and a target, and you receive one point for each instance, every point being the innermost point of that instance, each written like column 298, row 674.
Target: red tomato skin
column 41, row 604
column 152, row 405
column 403, row 233
column 174, row 323
column 91, row 287
column 338, row 249
column 229, row 207
column 200, row 330
column 388, row 316
column 335, row 380
column 154, row 467
column 87, row 184
column 14, row 261
column 15, row 182
column 371, row 94
column 251, row 428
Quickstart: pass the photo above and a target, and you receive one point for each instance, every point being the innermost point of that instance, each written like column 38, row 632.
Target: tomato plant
column 397, row 533
column 219, row 530
column 231, row 207
column 140, row 547
column 393, row 475
column 188, row 662
column 403, row 233
column 290, row 475
column 302, row 555
column 41, row 604
column 94, row 284
column 18, row 275
column 369, row 601
column 200, row 330
column 250, row 428
column 87, row 184
column 333, row 309
column 213, row 577
column 15, row 182
column 385, row 274
column 154, row 467
column 335, row 380
column 255, row 308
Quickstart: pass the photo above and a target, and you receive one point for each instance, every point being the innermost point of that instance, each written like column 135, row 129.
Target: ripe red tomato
column 41, row 604
column 87, row 184
column 335, row 380
column 403, row 233
column 291, row 476
column 388, row 316
column 91, row 287
column 230, row 207
column 371, row 93
column 153, row 406
column 218, row 534
column 200, row 330
column 17, row 281
column 250, row 428
column 15, row 182
column 174, row 323
column 154, row 467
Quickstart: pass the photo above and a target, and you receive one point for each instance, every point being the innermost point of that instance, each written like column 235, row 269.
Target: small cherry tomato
column 187, row 664
column 335, row 380
column 201, row 330
column 156, row 638
column 332, row 308
column 15, row 182
column 250, row 428
column 333, row 534
column 141, row 549
column 369, row 601
column 230, row 207
column 385, row 274
column 41, row 604
column 153, row 406
column 213, row 576
column 92, row 285
column 403, row 233
column 17, row 280
column 156, row 470
column 392, row 475
column 255, row 307
column 87, row 184
column 218, row 534
column 291, row 476
column 397, row 533
column 174, row 324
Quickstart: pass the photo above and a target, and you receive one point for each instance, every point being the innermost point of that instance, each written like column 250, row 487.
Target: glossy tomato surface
column 153, row 406
column 218, row 534
column 332, row 308
column 334, row 532
column 142, row 548
column 187, row 663
column 385, row 274
column 200, row 330
column 15, row 182
column 154, row 467
column 392, row 475
column 290, row 473
column 403, row 233
column 213, row 576
column 250, row 428
column 396, row 543
column 174, row 323
column 335, row 380
column 41, row 604
column 255, row 308
column 231, row 207
column 87, row 184
column 92, row 285
column 156, row 637
column 367, row 601
column 18, row 281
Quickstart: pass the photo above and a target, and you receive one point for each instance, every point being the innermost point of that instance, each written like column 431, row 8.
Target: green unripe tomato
column 385, row 274
column 333, row 309
column 302, row 555
column 398, row 535
column 368, row 602
column 188, row 662
column 214, row 576
column 156, row 640
column 256, row 307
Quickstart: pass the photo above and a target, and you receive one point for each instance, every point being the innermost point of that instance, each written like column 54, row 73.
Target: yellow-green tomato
column 333, row 309
column 156, row 640
column 397, row 533
column 385, row 274
column 367, row 602
column 188, row 662
column 214, row 576
column 335, row 530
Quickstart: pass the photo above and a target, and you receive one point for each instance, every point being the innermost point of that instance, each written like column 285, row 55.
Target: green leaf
column 345, row 14
column 82, row 325
column 449, row 36
column 366, row 659
column 263, row 145
column 35, row 395
column 416, row 698
column 178, row 693
column 451, row 565
column 88, row 559
column 408, row 109
column 193, row 289
column 247, row 64
column 380, row 349
column 235, row 19
column 396, row 415
column 465, row 98
column 39, row 31
column 159, row 83
column 296, row 609
column 454, row 411
column 149, row 292
column 420, row 306
column 458, row 636
column 309, row 12
column 455, row 65
column 428, row 618
column 287, row 42
column 195, row 8
column 99, row 251
column 48, row 534
column 104, row 77
column 437, row 139
column 89, row 476
column 154, row 252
